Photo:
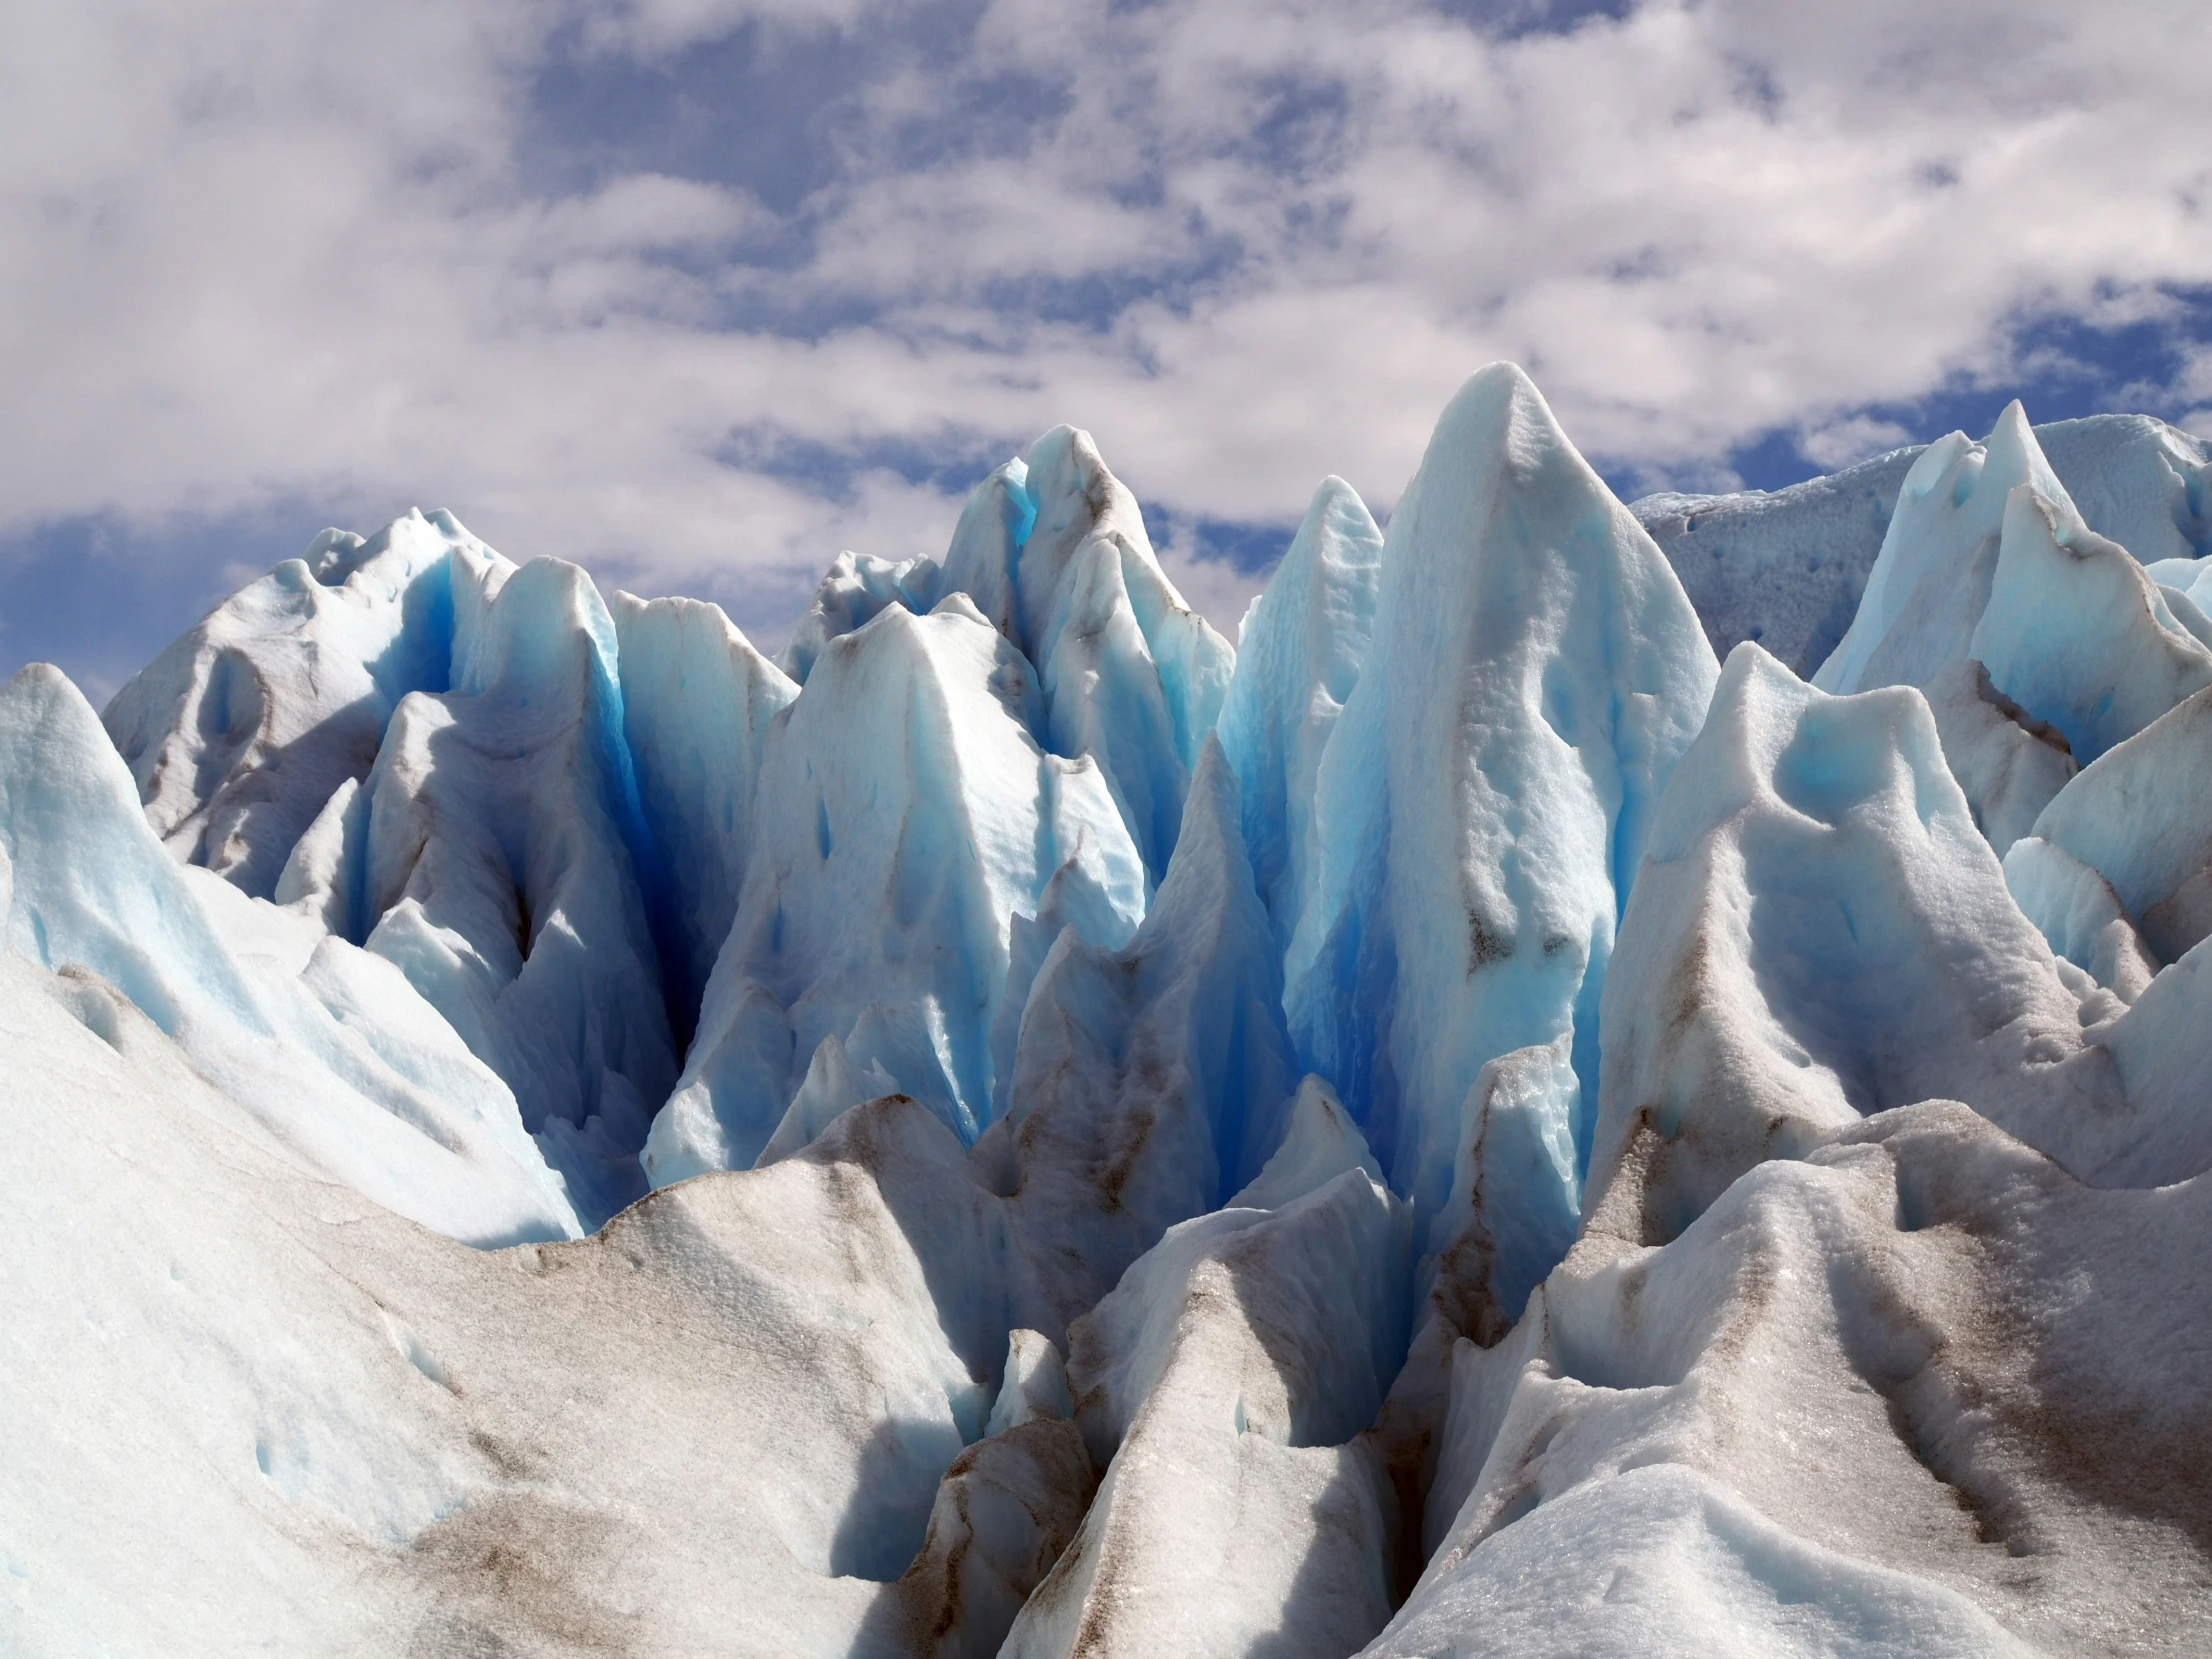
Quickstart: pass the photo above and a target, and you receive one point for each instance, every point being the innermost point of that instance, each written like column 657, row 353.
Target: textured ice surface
column 507, row 861
column 1464, row 1128
column 325, row 1046
column 922, row 816
column 1931, row 579
column 2078, row 634
column 2010, row 762
column 239, row 730
column 1482, row 803
column 1149, row 1081
column 1786, row 568
column 1223, row 1382
column 697, row 699
column 2141, row 816
column 1297, row 656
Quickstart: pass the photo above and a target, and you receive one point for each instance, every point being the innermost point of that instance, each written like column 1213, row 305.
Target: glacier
column 1610, row 1078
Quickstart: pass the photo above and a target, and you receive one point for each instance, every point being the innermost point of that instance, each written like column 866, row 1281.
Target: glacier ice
column 1849, row 1408
column 2140, row 817
column 697, row 699
column 1298, row 656
column 1931, row 578
column 1786, row 568
column 1148, row 1080
column 506, row 862
column 1008, row 1127
column 877, row 915
column 2008, row 763
column 238, row 733
column 1480, row 804
column 326, row 1046
column 2078, row 634
column 1224, row 1383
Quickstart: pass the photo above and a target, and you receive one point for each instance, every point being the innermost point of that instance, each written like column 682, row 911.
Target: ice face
column 2010, row 762
column 1130, row 672
column 1820, row 932
column 1149, row 1081
column 1932, row 577
column 1463, row 1126
column 1298, row 656
column 507, row 865
column 855, row 588
column 915, row 816
column 697, row 701
column 1881, row 1430
column 1224, row 1382
column 238, row 733
column 323, row 1046
column 2078, row 635
column 2140, row 817
column 1481, row 804
column 1786, row 568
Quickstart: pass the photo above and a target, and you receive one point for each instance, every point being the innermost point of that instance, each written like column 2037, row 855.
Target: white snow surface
column 1462, row 1126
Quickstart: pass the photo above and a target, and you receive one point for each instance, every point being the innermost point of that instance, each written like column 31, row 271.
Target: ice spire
column 1931, row 578
column 239, row 730
column 1535, row 672
column 1148, row 1081
column 907, row 815
column 697, row 701
column 2077, row 633
column 508, row 868
column 1297, row 656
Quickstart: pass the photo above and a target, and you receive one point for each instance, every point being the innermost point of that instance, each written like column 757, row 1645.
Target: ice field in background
column 1611, row 1079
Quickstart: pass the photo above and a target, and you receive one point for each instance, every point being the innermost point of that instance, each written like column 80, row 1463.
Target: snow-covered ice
column 1461, row 1126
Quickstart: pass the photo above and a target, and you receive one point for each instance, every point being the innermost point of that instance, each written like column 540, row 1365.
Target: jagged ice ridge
column 1466, row 1124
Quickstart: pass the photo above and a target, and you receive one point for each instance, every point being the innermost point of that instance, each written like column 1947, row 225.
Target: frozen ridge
column 1610, row 1081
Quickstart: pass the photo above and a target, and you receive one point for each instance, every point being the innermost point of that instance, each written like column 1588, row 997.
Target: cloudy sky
column 699, row 291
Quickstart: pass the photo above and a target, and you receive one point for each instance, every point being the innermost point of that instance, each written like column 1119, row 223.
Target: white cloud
column 1838, row 444
column 262, row 250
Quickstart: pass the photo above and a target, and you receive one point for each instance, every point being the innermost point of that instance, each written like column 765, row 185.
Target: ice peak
column 1930, row 580
column 1534, row 672
column 984, row 559
column 1299, row 655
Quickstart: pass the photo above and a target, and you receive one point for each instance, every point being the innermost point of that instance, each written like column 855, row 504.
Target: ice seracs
column 1931, row 579
column 1149, row 1081
column 2140, row 816
column 1223, row 1382
column 697, row 699
column 325, row 1047
column 1052, row 551
column 2077, row 634
column 507, row 863
column 2008, row 763
column 238, row 733
column 1845, row 1411
column 1820, row 932
column 1466, row 1127
column 918, row 816
column 1787, row 568
column 1131, row 673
